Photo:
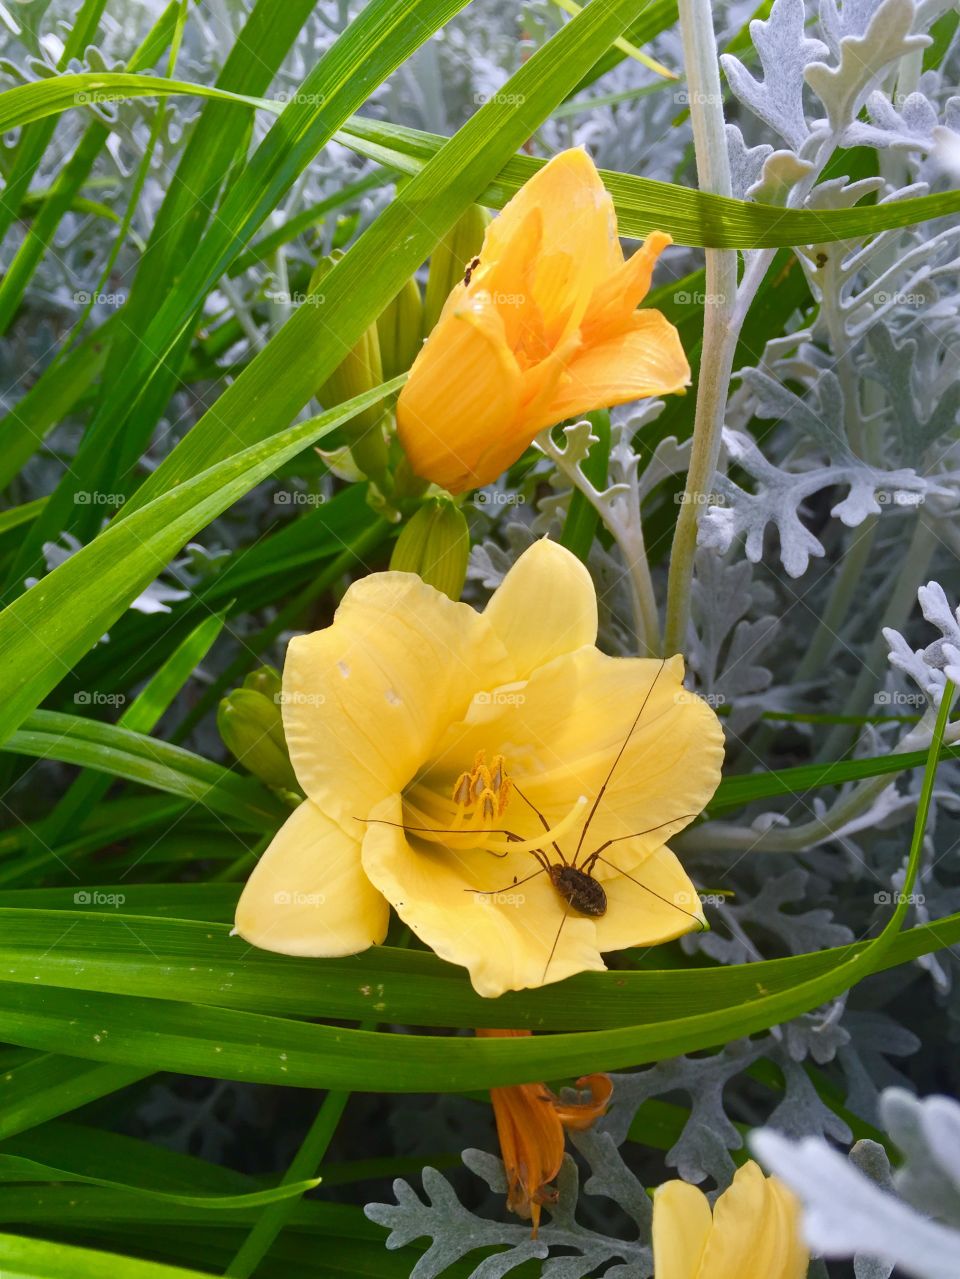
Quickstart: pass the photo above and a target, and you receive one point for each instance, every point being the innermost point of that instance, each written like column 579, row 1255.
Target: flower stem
column 720, row 331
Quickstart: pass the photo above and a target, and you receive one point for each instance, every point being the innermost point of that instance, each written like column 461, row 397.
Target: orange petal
column 463, row 392
column 581, row 1115
column 619, row 294
column 647, row 359
column 579, row 244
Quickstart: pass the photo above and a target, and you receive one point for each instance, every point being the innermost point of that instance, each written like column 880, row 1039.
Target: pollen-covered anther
column 483, row 791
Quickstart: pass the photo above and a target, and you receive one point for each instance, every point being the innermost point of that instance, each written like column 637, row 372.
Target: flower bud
column 435, row 543
column 400, row 329
column 359, row 371
column 450, row 260
column 251, row 727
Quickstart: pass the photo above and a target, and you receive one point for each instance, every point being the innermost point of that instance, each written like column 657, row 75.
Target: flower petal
column 681, row 1225
column 620, row 293
column 579, row 244
column 560, row 734
column 462, row 394
column 646, row 359
column 365, row 701
column 308, row 894
column 546, row 605
column 466, row 907
column 744, row 1235
column 655, row 904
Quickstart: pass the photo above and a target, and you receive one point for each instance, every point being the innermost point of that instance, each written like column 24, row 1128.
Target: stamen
column 552, row 835
column 482, row 793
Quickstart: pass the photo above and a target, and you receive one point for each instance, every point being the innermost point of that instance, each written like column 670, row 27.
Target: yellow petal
column 681, row 1224
column 545, row 606
column 655, row 902
column 462, row 393
column 793, row 1257
column 308, row 894
column 741, row 1243
column 647, row 359
column 620, row 293
column 503, row 937
column 560, row 734
column 365, row 701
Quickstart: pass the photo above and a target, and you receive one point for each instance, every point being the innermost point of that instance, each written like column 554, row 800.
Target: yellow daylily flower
column 544, row 326
column 531, row 1124
column 752, row 1233
column 435, row 744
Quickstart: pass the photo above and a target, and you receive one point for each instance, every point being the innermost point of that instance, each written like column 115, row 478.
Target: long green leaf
column 109, row 748
column 95, row 941
column 644, row 204
column 41, row 639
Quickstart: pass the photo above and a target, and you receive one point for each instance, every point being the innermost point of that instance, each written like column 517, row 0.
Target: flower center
column 473, row 816
column 483, row 792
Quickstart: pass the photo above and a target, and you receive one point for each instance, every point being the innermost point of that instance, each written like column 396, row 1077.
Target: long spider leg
column 546, row 824
column 553, row 948
column 666, row 900
column 636, row 834
column 486, row 892
column 606, row 782
column 440, row 830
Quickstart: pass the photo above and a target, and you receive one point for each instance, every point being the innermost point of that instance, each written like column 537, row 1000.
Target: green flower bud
column 450, row 259
column 436, row 544
column 400, row 328
column 359, row 371
column 265, row 680
column 251, row 727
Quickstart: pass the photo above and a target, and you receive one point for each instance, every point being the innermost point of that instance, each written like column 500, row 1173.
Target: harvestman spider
column 573, row 880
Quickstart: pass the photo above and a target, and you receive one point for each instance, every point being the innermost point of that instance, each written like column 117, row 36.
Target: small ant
column 573, row 880
column 468, row 274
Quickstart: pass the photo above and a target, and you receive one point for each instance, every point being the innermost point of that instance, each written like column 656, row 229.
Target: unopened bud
column 250, row 724
column 450, row 260
column 400, row 328
column 435, row 543
column 360, row 370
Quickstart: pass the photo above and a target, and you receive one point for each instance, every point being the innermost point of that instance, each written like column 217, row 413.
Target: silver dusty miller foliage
column 908, row 1218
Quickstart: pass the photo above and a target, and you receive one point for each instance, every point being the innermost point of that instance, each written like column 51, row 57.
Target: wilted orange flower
column 543, row 327
column 531, row 1121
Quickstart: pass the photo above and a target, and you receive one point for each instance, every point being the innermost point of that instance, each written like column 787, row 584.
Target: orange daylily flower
column 544, row 327
column 531, row 1121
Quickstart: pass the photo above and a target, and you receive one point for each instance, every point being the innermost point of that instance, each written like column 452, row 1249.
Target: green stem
column 720, row 331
